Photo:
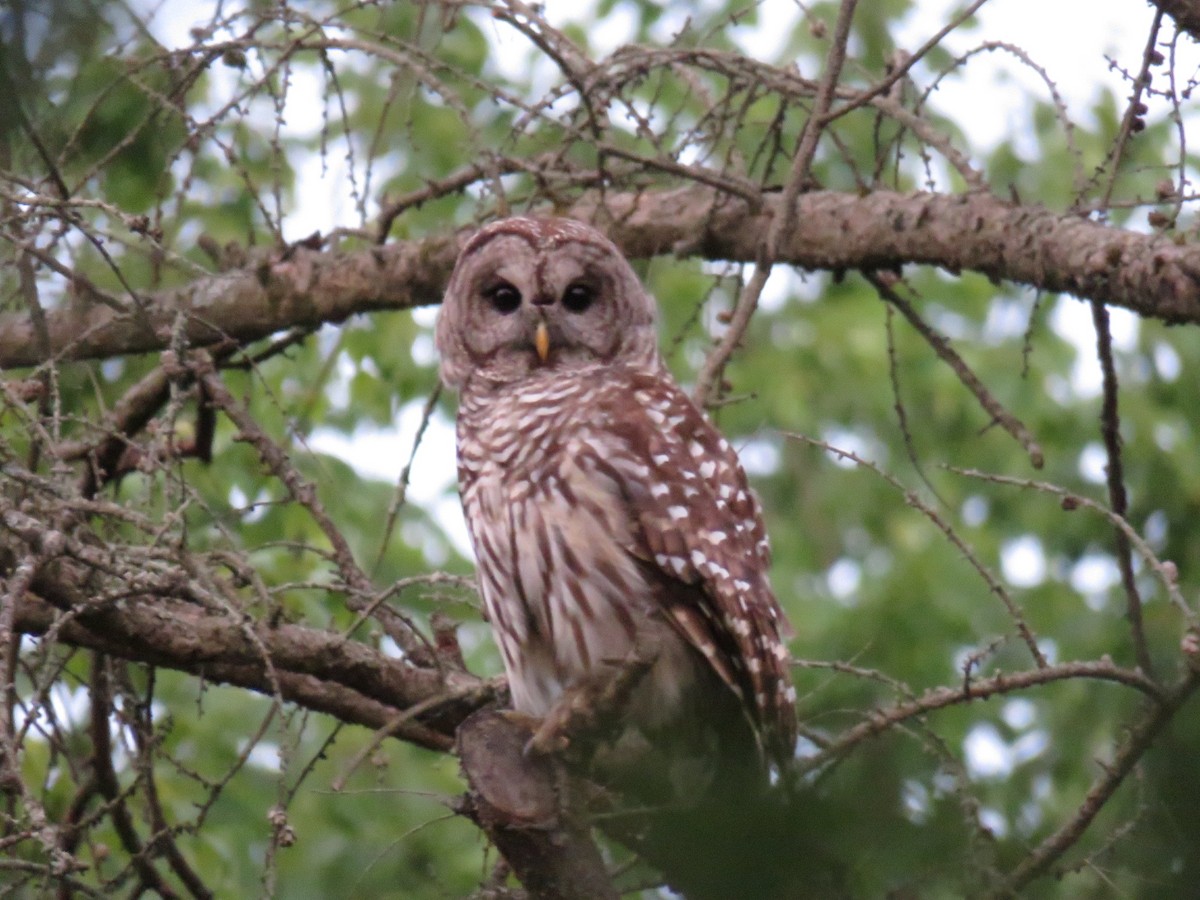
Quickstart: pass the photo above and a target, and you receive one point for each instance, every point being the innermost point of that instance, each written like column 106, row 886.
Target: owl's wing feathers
column 700, row 526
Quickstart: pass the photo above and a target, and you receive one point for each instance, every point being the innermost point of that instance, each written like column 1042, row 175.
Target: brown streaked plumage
column 605, row 510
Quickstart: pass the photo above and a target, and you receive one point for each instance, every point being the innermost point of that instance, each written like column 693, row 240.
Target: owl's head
column 534, row 294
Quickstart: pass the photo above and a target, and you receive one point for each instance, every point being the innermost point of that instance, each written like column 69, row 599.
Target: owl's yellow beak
column 541, row 341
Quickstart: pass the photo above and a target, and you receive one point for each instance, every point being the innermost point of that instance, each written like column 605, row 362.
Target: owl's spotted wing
column 700, row 532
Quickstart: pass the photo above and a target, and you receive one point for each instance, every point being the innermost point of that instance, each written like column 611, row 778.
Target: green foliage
column 863, row 565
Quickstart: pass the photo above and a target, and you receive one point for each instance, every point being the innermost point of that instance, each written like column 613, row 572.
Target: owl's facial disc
column 542, row 296
column 544, row 308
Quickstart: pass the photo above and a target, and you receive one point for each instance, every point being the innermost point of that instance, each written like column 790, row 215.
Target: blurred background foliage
column 186, row 134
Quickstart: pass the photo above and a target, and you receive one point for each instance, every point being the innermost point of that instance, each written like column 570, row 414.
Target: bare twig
column 941, row 346
column 1134, row 746
column 1165, row 570
column 1014, row 610
column 403, row 632
column 110, row 787
column 879, row 721
column 1110, row 422
column 782, row 227
column 901, row 411
column 401, row 492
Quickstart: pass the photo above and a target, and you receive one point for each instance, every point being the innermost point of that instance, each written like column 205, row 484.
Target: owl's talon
column 548, row 738
column 545, row 742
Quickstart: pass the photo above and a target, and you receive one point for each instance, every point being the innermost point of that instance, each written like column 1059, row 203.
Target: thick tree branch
column 317, row 669
column 514, row 797
column 274, row 292
column 1149, row 274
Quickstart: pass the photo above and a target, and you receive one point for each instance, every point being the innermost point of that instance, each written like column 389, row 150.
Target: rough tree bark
column 1150, row 274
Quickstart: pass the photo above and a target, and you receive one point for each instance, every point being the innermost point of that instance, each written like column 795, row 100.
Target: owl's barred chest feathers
column 518, row 432
column 541, row 466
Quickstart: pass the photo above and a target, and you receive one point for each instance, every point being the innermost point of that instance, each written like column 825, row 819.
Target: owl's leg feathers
column 591, row 706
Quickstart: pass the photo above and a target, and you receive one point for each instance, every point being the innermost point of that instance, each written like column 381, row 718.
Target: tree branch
column 882, row 720
column 1138, row 740
column 316, row 669
column 1149, row 274
column 515, row 798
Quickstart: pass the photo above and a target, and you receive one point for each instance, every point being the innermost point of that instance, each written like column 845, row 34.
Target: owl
column 605, row 511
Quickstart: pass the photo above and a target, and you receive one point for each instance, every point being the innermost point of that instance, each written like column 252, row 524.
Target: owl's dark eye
column 504, row 298
column 578, row 297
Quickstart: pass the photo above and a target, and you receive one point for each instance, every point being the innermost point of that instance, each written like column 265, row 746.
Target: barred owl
column 605, row 510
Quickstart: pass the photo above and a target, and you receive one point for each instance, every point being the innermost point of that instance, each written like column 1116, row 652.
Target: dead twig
column 883, row 283
column 780, row 230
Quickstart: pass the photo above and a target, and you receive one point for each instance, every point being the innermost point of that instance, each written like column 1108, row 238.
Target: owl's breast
column 553, row 538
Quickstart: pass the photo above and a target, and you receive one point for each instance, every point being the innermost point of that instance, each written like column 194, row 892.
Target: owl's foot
column 570, row 714
column 590, row 705
column 521, row 719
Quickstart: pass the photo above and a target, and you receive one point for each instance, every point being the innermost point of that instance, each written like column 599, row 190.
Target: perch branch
column 1149, row 274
